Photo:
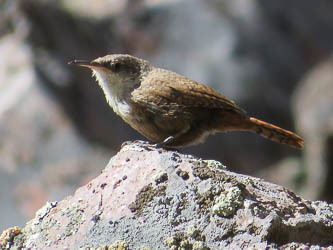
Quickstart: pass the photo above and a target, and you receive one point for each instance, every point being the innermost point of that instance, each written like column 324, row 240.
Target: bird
column 172, row 110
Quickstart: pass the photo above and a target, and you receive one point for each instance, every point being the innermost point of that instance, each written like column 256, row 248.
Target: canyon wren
column 170, row 109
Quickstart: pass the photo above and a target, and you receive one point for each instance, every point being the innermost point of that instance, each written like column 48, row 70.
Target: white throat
column 114, row 91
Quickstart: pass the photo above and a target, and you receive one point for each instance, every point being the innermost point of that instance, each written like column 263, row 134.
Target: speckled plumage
column 171, row 109
column 176, row 92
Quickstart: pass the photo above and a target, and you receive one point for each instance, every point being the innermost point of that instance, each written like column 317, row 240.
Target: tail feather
column 275, row 133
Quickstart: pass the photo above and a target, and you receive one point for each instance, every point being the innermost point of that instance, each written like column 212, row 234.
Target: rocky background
column 57, row 132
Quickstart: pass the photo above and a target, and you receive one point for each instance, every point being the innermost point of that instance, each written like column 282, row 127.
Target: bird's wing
column 171, row 94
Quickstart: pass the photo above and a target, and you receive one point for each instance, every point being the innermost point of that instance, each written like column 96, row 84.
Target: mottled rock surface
column 148, row 198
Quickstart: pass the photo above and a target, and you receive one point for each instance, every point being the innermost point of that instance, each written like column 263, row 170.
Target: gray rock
column 140, row 202
column 42, row 157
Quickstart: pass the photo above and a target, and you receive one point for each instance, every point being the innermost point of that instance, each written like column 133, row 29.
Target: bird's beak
column 84, row 63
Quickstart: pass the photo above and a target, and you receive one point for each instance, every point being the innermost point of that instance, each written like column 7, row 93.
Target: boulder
column 153, row 198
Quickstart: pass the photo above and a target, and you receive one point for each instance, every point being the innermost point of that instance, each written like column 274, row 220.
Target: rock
column 140, row 201
column 315, row 122
column 310, row 176
column 42, row 157
column 226, row 44
column 232, row 52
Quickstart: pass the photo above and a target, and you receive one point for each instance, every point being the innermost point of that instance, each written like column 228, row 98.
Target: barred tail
column 275, row 133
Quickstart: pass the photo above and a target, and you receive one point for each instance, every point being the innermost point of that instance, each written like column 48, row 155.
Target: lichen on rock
column 227, row 202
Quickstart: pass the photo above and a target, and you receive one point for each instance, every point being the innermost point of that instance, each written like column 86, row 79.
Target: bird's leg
column 172, row 138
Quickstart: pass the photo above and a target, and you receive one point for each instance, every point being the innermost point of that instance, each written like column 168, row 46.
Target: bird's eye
column 116, row 67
